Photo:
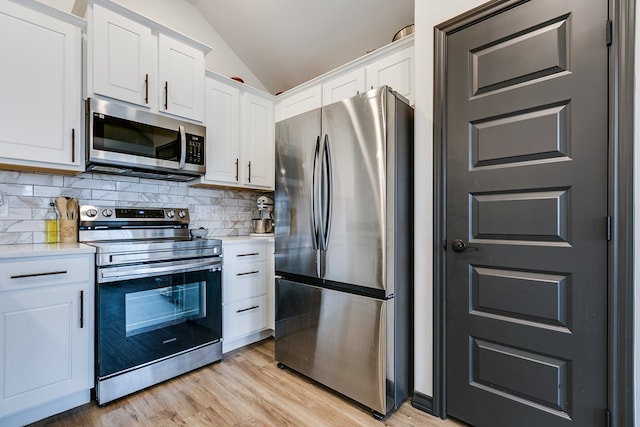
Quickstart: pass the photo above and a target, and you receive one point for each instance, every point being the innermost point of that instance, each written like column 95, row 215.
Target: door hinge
column 609, row 32
column 608, row 228
column 607, row 418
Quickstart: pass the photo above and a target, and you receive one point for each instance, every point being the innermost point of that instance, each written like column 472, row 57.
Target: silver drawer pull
column 49, row 273
column 247, row 309
column 248, row 272
column 251, row 254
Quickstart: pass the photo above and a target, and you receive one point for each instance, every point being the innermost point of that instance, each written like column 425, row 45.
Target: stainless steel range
column 159, row 305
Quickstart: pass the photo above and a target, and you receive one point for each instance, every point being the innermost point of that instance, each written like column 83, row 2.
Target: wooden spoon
column 72, row 208
column 61, row 204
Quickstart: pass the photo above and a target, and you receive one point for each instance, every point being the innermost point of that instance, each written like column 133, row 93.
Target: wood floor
column 245, row 389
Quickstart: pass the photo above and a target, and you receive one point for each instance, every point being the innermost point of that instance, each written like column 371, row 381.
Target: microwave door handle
column 183, row 146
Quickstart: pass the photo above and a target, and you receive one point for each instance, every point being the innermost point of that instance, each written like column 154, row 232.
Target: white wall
column 181, row 16
column 427, row 15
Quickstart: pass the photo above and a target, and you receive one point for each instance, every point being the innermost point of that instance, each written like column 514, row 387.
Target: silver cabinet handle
column 247, row 309
column 248, row 272
column 48, row 273
column 251, row 254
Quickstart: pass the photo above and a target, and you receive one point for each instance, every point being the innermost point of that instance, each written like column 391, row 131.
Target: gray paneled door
column 526, row 192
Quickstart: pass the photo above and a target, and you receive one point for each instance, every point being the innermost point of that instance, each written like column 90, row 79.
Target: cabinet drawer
column 244, row 317
column 19, row 274
column 245, row 252
column 245, row 280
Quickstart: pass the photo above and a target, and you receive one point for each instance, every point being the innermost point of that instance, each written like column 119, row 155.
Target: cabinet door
column 242, row 318
column 344, row 86
column 41, row 90
column 271, row 284
column 259, row 142
column 124, row 54
column 395, row 71
column 244, row 280
column 223, row 132
column 299, row 102
column 181, row 79
column 45, row 347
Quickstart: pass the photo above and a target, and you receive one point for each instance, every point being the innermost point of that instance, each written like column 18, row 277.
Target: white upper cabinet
column 344, row 86
column 290, row 105
column 240, row 135
column 395, row 71
column 141, row 62
column 259, row 142
column 391, row 65
column 223, row 132
column 41, row 87
column 181, row 75
column 123, row 58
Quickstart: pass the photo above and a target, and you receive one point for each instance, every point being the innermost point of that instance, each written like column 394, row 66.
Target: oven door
column 152, row 311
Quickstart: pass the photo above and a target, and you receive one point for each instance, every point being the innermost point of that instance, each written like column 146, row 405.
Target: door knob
column 460, row 246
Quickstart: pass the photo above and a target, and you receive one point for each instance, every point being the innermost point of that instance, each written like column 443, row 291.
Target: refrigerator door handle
column 327, row 211
column 314, row 199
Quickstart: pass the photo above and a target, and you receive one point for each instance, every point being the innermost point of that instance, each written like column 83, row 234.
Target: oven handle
column 116, row 274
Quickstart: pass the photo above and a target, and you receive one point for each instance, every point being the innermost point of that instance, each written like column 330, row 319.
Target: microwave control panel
column 195, row 149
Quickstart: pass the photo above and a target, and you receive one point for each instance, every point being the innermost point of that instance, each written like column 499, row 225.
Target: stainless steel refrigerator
column 344, row 247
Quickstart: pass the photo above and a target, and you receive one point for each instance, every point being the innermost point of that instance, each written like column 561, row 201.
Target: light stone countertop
column 245, row 239
column 44, row 249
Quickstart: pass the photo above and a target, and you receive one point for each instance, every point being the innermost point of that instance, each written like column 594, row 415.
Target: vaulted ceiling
column 287, row 42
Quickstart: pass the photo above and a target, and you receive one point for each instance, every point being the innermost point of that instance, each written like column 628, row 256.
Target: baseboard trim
column 422, row 402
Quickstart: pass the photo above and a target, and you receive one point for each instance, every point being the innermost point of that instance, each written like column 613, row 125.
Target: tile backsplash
column 27, row 196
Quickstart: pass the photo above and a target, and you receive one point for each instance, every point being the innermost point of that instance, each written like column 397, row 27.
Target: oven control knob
column 91, row 213
column 171, row 214
column 182, row 214
column 107, row 212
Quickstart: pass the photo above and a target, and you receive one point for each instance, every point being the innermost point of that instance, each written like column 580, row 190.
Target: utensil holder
column 68, row 230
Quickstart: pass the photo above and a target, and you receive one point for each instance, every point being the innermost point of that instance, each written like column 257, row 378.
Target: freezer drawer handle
column 248, row 272
column 48, row 273
column 247, row 309
column 251, row 254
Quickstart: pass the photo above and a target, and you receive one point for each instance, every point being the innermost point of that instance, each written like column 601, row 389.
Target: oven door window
column 142, row 320
column 161, row 307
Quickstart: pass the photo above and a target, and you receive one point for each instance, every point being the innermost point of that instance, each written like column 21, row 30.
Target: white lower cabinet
column 246, row 293
column 46, row 335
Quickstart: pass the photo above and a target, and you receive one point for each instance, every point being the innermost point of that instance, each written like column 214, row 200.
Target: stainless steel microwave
column 127, row 141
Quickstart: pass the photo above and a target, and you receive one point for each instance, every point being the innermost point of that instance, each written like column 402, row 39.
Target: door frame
column 620, row 277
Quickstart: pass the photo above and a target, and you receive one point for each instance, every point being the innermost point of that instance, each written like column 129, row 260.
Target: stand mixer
column 264, row 224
